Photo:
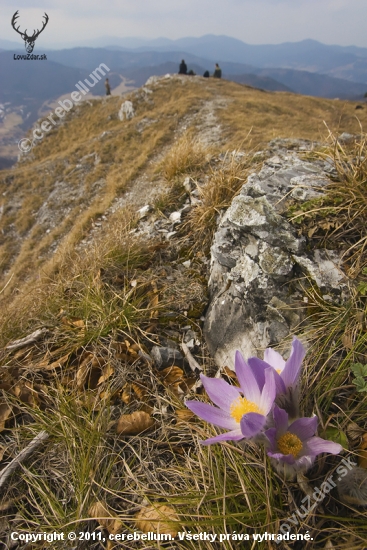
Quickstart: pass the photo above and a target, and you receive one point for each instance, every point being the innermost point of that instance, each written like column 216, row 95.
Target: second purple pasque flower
column 288, row 372
column 295, row 446
column 240, row 410
column 287, row 375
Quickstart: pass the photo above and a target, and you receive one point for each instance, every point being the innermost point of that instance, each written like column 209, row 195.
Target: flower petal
column 292, row 368
column 304, row 428
column 288, row 459
column 304, row 463
column 258, row 367
column 271, row 435
column 281, row 421
column 234, row 435
column 274, row 359
column 251, row 424
column 220, row 392
column 269, row 392
column 279, row 384
column 315, row 446
column 212, row 414
column 246, row 378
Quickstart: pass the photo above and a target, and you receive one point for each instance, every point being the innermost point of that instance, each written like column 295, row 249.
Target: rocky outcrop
column 260, row 266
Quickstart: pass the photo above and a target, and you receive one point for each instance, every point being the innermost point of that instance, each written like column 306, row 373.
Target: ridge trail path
column 142, row 191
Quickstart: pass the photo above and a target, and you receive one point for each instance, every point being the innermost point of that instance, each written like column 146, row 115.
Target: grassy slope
column 125, row 152
column 86, row 369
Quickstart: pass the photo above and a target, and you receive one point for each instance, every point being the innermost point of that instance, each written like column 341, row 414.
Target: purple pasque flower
column 242, row 410
column 287, row 374
column 295, row 446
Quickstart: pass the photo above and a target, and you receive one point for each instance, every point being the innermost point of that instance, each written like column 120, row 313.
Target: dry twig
column 25, row 453
column 30, row 339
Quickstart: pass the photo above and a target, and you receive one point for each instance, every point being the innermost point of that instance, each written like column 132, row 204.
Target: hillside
column 111, row 229
column 93, row 157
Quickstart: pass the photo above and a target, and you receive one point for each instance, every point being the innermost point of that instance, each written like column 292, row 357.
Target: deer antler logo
column 28, row 40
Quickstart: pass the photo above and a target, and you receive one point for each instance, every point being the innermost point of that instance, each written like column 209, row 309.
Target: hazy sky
column 341, row 22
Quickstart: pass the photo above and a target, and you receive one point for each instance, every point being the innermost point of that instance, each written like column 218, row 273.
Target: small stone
column 175, row 217
column 187, row 185
column 165, row 357
column 195, row 201
column 186, row 208
column 345, row 137
column 144, row 211
column 190, row 335
column 151, row 80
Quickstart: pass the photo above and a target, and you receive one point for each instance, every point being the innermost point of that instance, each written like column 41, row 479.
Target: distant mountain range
column 345, row 62
column 310, row 55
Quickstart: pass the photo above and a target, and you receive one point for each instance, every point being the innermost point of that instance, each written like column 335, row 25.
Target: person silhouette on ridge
column 107, row 86
column 183, row 68
column 218, row 71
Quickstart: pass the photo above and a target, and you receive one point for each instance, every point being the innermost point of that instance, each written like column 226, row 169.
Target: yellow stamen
column 278, row 370
column 290, row 444
column 241, row 406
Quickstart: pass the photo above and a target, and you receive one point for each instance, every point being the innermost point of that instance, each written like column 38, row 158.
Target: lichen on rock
column 258, row 259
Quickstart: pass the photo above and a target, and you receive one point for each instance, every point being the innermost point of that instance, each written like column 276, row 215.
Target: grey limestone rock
column 165, row 357
column 126, row 111
column 257, row 259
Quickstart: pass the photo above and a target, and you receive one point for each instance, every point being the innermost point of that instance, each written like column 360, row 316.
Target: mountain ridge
column 24, row 85
column 92, row 153
column 306, row 54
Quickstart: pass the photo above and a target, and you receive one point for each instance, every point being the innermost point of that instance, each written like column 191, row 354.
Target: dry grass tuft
column 61, row 481
column 222, row 183
column 351, row 193
column 339, row 219
column 93, row 285
column 187, row 155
